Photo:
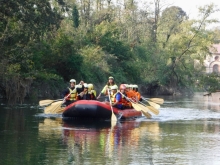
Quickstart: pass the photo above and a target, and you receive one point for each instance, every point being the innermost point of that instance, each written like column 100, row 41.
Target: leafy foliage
column 210, row 83
column 49, row 42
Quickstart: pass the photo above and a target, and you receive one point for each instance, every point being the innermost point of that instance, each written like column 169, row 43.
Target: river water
column 187, row 131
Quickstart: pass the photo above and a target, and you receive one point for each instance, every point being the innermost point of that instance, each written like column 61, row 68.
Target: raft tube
column 92, row 109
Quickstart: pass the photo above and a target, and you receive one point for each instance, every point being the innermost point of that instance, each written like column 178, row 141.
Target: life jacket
column 113, row 98
column 105, row 89
column 92, row 96
column 124, row 101
column 73, row 94
column 138, row 95
column 132, row 95
column 94, row 92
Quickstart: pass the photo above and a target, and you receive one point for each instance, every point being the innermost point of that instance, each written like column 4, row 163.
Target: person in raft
column 130, row 93
column 107, row 87
column 85, row 94
column 135, row 89
column 125, row 102
column 91, row 89
column 116, row 98
column 70, row 94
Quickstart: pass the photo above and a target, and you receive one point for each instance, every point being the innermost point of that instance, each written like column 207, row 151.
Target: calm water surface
column 187, row 131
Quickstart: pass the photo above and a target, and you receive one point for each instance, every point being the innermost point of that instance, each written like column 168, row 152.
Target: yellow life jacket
column 72, row 95
column 105, row 89
column 94, row 92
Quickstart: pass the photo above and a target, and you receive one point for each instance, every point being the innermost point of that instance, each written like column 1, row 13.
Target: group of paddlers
column 120, row 98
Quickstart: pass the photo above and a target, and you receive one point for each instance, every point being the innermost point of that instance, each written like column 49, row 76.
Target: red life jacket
column 113, row 98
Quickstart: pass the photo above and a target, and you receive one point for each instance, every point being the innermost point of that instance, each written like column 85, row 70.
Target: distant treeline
column 45, row 43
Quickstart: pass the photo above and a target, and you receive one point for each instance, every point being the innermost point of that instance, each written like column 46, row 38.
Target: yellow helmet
column 90, row 86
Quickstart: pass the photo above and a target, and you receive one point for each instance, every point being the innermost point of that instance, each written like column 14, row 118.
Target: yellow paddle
column 138, row 107
column 113, row 118
column 47, row 102
column 55, row 107
column 155, row 105
column 155, row 100
column 142, row 109
column 152, row 109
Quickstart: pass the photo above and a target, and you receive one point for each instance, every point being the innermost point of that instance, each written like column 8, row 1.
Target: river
column 187, row 131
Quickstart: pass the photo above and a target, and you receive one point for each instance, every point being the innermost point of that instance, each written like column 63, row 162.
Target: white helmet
column 135, row 86
column 85, row 85
column 114, row 87
column 73, row 80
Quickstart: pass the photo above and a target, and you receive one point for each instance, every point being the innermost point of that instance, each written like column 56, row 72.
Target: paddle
column 155, row 105
column 138, row 107
column 155, row 100
column 55, row 107
column 113, row 118
column 47, row 102
column 152, row 109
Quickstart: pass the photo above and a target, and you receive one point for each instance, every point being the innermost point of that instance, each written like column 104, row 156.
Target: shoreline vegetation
column 44, row 44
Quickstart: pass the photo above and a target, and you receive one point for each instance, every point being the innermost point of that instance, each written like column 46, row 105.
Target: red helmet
column 122, row 86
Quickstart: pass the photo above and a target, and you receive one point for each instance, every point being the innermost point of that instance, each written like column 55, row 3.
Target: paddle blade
column 157, row 106
column 45, row 102
column 60, row 110
column 157, row 100
column 53, row 108
column 153, row 110
column 147, row 114
column 144, row 110
column 136, row 107
column 113, row 118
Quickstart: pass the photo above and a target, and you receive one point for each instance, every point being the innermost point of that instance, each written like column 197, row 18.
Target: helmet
column 114, row 87
column 90, row 86
column 78, row 86
column 85, row 85
column 132, row 86
column 135, row 86
column 122, row 86
column 73, row 80
column 111, row 78
column 126, row 85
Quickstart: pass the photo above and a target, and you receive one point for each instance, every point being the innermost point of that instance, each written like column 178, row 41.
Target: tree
column 75, row 17
column 23, row 25
column 170, row 20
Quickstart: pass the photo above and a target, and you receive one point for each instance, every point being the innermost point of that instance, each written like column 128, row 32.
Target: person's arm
column 118, row 98
column 104, row 89
column 102, row 92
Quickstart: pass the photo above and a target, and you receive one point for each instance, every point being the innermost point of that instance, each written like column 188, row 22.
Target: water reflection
column 185, row 132
column 98, row 142
column 50, row 128
column 213, row 101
